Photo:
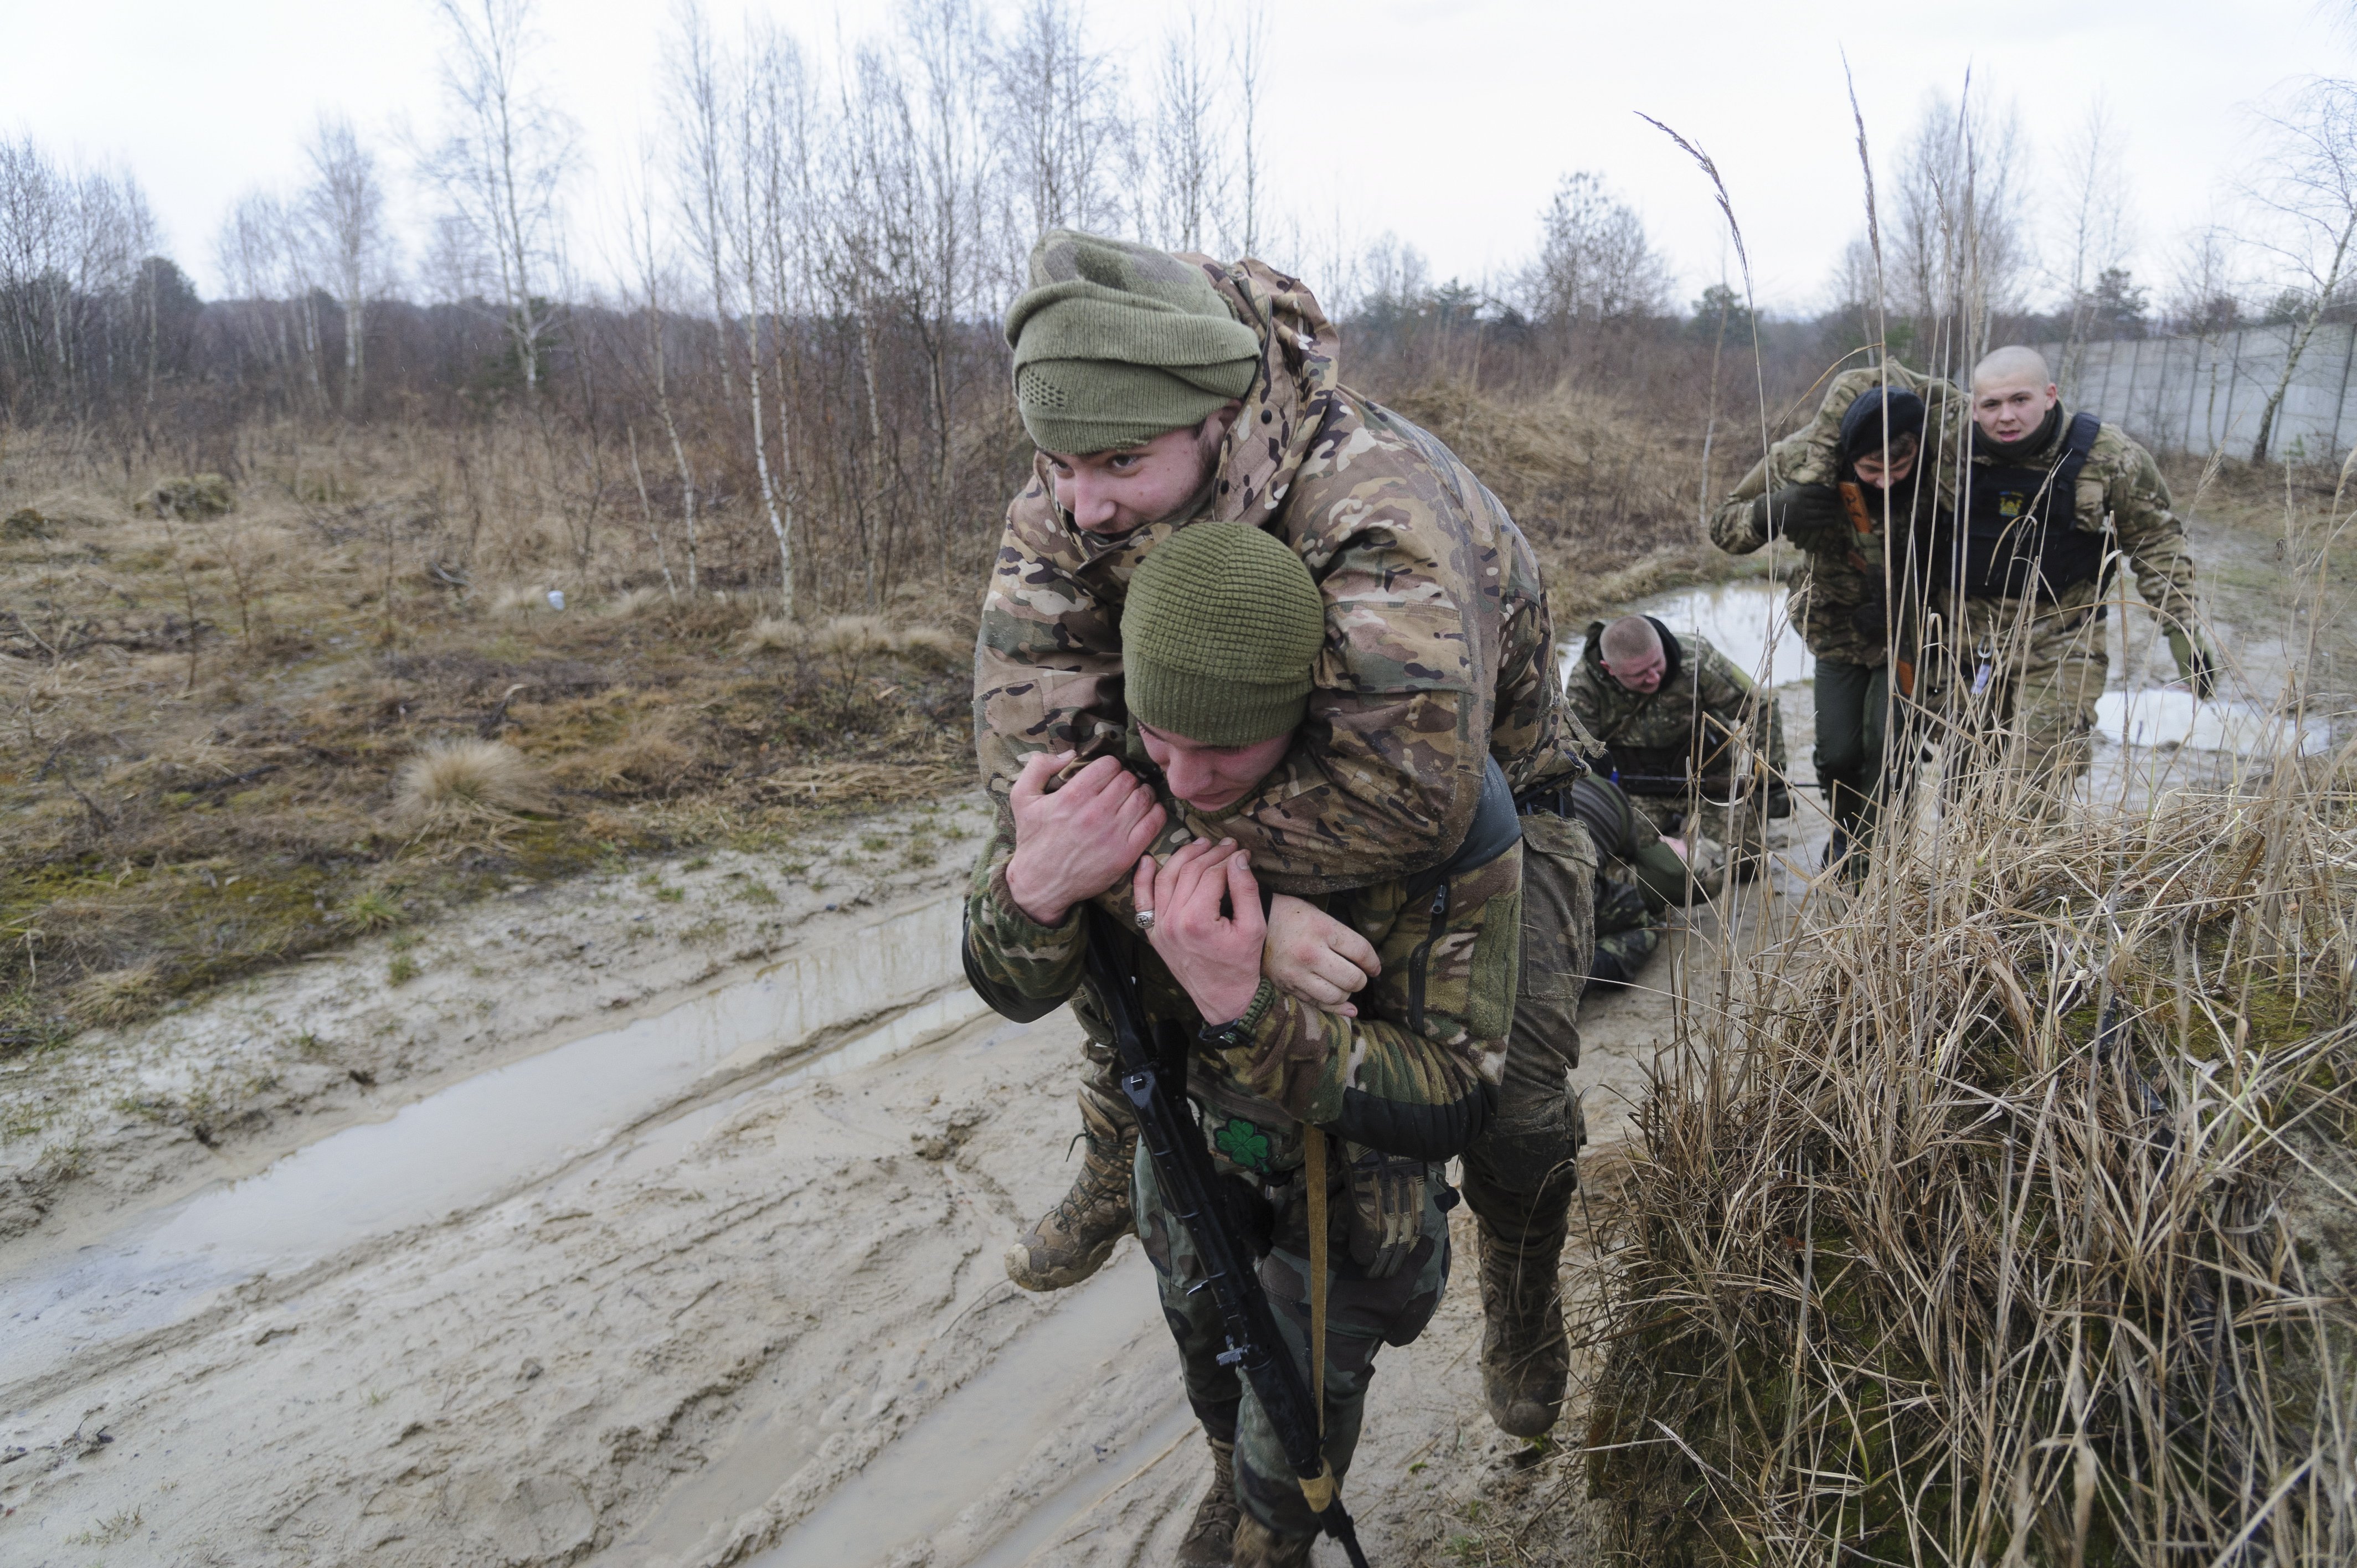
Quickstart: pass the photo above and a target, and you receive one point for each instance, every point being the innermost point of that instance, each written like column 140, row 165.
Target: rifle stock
column 1182, row 1166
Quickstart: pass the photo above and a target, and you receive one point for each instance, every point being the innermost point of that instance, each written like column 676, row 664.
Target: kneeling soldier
column 1675, row 715
column 1221, row 627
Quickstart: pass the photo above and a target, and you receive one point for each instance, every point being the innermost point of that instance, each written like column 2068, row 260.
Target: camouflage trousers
column 1362, row 1315
column 2019, row 691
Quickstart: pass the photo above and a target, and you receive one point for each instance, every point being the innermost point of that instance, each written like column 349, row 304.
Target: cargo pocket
column 1558, row 935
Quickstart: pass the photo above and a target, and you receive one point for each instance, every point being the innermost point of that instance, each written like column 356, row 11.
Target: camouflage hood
column 1439, row 648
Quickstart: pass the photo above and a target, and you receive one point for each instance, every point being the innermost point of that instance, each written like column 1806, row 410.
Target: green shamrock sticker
column 1243, row 1144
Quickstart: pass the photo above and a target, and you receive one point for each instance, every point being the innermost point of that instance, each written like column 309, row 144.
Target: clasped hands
column 1077, row 842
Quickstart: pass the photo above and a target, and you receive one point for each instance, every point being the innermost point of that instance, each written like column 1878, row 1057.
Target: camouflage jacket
column 1413, row 1074
column 1702, row 701
column 1831, row 583
column 2121, row 490
column 1438, row 646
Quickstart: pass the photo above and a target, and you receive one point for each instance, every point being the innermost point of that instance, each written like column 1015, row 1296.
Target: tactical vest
column 2021, row 525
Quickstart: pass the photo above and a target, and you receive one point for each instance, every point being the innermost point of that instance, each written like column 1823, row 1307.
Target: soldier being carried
column 1221, row 627
column 1168, row 392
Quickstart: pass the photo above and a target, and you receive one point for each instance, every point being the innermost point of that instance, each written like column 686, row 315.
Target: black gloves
column 1804, row 514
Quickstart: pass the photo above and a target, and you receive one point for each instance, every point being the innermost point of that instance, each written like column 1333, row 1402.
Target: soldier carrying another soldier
column 1165, row 392
column 1854, row 490
column 1221, row 627
column 1681, row 726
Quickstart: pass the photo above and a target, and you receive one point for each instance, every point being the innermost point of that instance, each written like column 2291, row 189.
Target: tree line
column 798, row 343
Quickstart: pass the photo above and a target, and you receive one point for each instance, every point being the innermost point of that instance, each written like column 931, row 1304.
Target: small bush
column 771, row 635
column 198, row 495
column 401, row 971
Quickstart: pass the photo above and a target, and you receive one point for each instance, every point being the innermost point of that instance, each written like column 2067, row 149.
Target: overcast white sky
column 1448, row 123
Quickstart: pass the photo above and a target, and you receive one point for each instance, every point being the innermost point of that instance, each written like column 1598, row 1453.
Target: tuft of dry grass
column 1968, row 1227
column 115, row 997
column 453, row 782
column 772, row 635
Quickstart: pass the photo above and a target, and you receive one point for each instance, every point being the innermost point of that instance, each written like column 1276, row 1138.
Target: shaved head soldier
column 2048, row 503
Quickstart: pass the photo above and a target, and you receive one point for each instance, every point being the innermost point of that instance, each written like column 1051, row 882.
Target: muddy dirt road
column 716, row 1279
column 656, row 1221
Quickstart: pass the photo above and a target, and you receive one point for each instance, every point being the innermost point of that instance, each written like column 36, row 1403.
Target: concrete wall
column 2183, row 395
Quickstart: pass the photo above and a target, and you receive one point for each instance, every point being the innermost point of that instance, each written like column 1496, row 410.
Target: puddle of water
column 1746, row 621
column 480, row 1137
column 958, row 1452
column 2173, row 720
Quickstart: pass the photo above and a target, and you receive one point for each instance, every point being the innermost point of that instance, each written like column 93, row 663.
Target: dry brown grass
column 2003, row 1210
column 455, row 783
column 213, row 802
column 116, row 996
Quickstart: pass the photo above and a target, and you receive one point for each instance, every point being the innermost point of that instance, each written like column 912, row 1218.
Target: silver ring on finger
column 1146, row 920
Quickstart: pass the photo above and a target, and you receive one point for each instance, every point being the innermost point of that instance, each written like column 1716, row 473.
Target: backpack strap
column 1496, row 828
column 2076, row 445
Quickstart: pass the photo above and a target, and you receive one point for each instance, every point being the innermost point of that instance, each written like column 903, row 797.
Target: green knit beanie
column 1218, row 636
column 1116, row 343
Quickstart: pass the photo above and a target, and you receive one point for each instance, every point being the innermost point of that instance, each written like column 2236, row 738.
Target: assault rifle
column 1196, row 1194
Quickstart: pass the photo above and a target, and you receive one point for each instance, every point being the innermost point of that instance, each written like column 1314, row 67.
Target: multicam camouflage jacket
column 1413, row 1074
column 1834, row 582
column 1438, row 646
column 1680, row 729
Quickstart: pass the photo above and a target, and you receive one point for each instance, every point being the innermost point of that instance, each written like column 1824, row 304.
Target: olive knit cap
column 1219, row 633
column 1116, row 343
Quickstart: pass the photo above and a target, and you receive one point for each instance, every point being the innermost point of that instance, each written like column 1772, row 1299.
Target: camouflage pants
column 1362, row 1315
column 2020, row 690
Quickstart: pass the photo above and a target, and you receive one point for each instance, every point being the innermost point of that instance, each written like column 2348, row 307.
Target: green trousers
column 1853, row 707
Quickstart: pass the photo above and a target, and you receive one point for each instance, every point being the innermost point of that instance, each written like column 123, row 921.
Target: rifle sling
column 1319, row 1492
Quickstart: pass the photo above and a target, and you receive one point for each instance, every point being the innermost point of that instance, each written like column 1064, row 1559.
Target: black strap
column 2076, row 446
column 1496, row 828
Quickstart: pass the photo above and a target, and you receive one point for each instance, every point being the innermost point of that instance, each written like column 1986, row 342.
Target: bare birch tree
column 501, row 166
column 344, row 208
column 2095, row 235
column 1186, row 188
column 2308, row 197
column 1060, row 126
column 1960, row 253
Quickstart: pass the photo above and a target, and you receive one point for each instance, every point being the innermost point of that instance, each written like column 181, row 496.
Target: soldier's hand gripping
column 1206, row 924
column 1075, row 842
column 1315, row 956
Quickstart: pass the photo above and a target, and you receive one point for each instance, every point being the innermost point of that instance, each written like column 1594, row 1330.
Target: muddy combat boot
column 1257, row 1546
column 1072, row 1241
column 1212, row 1535
column 1525, row 1355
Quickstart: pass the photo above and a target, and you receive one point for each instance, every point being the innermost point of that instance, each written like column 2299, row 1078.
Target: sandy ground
column 756, row 1313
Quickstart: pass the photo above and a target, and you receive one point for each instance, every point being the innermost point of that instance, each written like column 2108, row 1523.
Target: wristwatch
column 1238, row 1031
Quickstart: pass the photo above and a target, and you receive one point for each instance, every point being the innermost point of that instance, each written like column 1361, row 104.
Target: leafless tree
column 1248, row 63
column 344, row 208
column 266, row 256
column 2306, row 197
column 1595, row 262
column 1959, row 254
column 2097, row 233
column 501, row 166
column 1185, row 187
column 1062, row 128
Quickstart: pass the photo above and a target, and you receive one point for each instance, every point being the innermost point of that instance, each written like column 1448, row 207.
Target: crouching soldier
column 1222, row 625
column 1640, row 876
column 1167, row 393
column 1676, row 718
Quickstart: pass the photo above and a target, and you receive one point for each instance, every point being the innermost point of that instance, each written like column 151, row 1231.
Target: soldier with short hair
column 1164, row 392
column 1681, row 728
column 2047, row 502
